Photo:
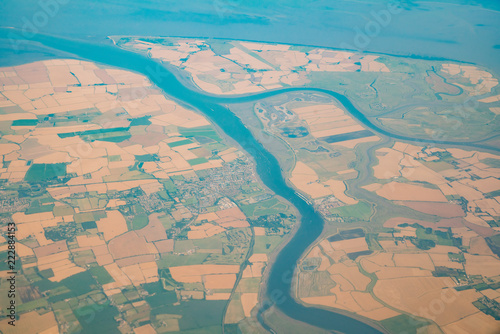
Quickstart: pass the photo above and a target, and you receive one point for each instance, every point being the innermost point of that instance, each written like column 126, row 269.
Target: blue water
column 462, row 30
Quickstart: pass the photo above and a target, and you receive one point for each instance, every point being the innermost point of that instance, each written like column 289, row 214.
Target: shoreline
column 308, row 209
column 361, row 52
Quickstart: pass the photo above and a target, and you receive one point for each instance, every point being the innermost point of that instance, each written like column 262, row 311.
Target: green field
column 98, row 318
column 268, row 207
column 265, row 244
column 403, row 324
column 170, row 260
column 197, row 161
column 180, row 143
column 101, row 275
column 44, row 172
column 361, row 211
column 202, row 131
column 25, row 122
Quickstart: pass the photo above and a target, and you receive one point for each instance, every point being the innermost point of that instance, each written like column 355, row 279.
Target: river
column 311, row 225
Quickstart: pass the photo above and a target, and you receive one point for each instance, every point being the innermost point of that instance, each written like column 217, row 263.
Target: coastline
column 297, row 226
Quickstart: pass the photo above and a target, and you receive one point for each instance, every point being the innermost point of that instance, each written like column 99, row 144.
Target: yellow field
column 218, row 296
column 204, row 231
column 472, row 323
column 248, row 301
column 222, row 281
column 422, row 261
column 352, row 274
column 350, row 245
column 113, row 225
column 193, row 273
column 306, row 180
column 145, row 329
column 414, row 294
column 487, row 266
column 31, row 322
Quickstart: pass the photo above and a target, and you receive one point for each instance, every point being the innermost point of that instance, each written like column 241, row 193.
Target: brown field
column 31, row 322
column 113, row 225
column 204, row 231
column 211, row 216
column 21, row 217
column 54, row 259
column 350, row 245
column 352, row 274
column 128, row 261
column 154, row 231
column 369, row 266
column 222, row 281
column 306, row 180
column 330, row 301
column 388, row 163
column 336, row 255
column 390, row 245
column 480, row 230
column 485, row 185
column 491, row 294
column 382, row 259
column 354, row 142
column 487, row 266
column 340, row 299
column 193, row 273
column 471, row 324
column 407, row 231
column 254, row 270
column 421, row 261
column 120, row 279
column 372, row 186
column 342, row 282
column 165, row 246
column 218, row 296
column 150, row 271
column 89, row 241
column 23, row 250
column 465, row 233
column 398, row 272
column 145, row 329
column 471, row 218
column 490, row 99
column 440, row 249
column 258, row 257
column 134, row 273
column 104, row 259
column 35, row 229
column 248, row 301
column 414, row 294
column 443, row 260
column 56, row 247
column 127, row 245
column 65, row 271
column 469, row 193
column 409, row 192
column 366, row 301
column 259, row 231
column 478, row 246
column 338, row 189
column 232, row 213
column 379, row 313
column 446, row 210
